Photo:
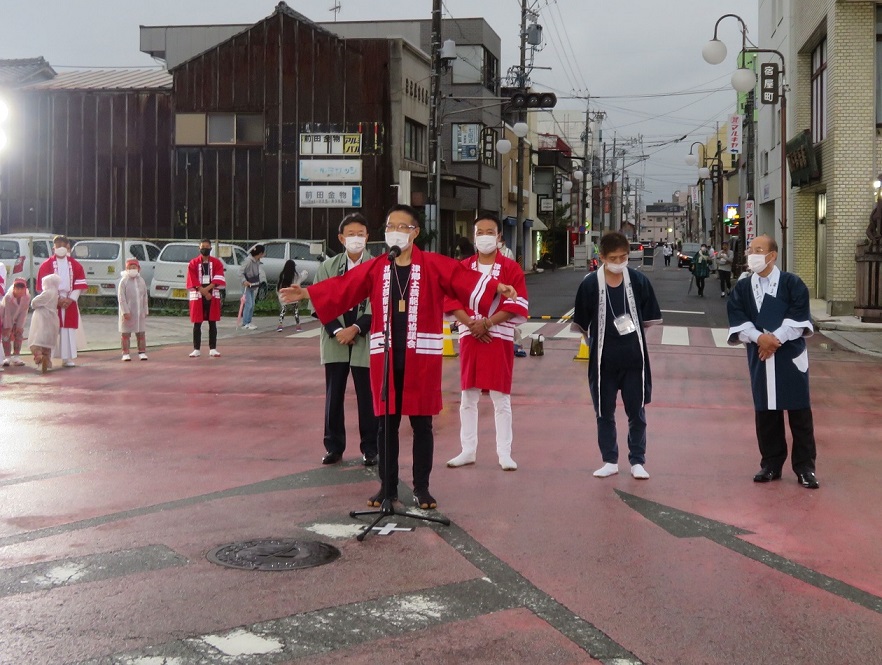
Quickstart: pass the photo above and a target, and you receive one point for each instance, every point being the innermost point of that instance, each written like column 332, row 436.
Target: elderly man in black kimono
column 769, row 314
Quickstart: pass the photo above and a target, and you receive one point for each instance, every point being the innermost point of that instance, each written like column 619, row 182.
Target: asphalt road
column 552, row 294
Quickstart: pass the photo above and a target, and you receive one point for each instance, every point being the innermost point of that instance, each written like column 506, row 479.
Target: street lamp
column 744, row 80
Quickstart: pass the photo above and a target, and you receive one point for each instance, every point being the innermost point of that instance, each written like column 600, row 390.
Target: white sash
column 601, row 327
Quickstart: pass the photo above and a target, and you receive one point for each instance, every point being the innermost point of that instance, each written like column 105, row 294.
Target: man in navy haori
column 613, row 305
column 769, row 314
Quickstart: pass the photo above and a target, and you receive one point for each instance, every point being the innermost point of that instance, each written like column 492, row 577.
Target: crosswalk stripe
column 314, row 332
column 530, row 327
column 721, row 337
column 675, row 336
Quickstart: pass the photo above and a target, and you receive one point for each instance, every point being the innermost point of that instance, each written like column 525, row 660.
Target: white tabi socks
column 607, row 470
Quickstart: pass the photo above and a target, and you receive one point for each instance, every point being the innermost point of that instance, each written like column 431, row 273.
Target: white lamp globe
column 578, row 175
column 691, row 160
column 877, row 183
column 520, row 129
column 704, row 172
column 714, row 52
column 503, row 146
column 743, row 80
column 567, row 185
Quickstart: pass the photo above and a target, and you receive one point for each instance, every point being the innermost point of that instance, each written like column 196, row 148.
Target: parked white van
column 170, row 274
column 22, row 254
column 104, row 259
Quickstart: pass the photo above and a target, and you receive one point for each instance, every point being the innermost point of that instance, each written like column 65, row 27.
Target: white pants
column 468, row 418
column 66, row 348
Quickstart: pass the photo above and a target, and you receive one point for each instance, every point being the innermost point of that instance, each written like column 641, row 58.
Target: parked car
column 307, row 254
column 636, row 251
column 104, row 259
column 687, row 251
column 22, row 254
column 170, row 274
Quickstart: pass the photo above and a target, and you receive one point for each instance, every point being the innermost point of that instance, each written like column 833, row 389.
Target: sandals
column 377, row 499
column 424, row 500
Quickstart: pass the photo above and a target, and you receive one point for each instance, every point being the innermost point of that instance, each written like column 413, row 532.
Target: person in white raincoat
column 45, row 326
column 132, row 295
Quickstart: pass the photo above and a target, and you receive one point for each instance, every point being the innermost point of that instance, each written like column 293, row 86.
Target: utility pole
column 586, row 165
column 603, row 192
column 522, row 86
column 433, row 184
column 612, row 189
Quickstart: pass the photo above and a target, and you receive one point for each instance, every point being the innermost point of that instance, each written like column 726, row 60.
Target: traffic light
column 522, row 100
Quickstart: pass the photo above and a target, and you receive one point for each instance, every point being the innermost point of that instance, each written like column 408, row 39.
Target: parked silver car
column 170, row 275
column 104, row 259
column 307, row 254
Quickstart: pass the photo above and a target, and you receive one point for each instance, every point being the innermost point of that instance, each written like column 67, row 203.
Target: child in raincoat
column 132, row 296
column 45, row 324
column 13, row 312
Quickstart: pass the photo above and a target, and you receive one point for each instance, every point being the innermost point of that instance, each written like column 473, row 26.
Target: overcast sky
column 612, row 50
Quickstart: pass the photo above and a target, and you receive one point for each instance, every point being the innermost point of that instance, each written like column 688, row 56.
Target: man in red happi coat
column 73, row 283
column 486, row 345
column 412, row 288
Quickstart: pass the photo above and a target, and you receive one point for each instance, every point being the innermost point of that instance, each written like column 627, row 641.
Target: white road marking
column 336, row 530
column 390, row 528
column 721, row 337
column 315, row 332
column 675, row 335
column 529, row 328
column 242, row 643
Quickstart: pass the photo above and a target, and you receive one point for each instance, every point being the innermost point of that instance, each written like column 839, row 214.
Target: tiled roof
column 107, row 79
column 21, row 71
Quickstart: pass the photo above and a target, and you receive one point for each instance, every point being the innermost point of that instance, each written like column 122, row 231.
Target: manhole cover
column 274, row 554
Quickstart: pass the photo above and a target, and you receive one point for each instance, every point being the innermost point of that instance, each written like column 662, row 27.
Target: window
column 764, row 162
column 219, row 129
column 179, row 253
column 300, row 252
column 819, row 92
column 138, row 252
column 8, row 250
column 275, row 250
column 414, row 141
column 152, row 252
column 475, row 64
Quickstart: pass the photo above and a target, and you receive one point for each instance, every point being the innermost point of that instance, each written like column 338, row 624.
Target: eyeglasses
column 359, row 234
column 756, row 251
column 404, row 228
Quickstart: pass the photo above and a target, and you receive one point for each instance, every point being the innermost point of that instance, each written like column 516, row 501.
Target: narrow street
column 119, row 478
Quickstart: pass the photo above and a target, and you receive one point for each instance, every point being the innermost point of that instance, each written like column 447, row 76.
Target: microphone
column 394, row 252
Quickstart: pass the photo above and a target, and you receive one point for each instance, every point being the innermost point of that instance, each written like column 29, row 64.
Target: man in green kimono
column 344, row 349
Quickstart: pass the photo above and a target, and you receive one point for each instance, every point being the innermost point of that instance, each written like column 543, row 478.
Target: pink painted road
column 117, row 478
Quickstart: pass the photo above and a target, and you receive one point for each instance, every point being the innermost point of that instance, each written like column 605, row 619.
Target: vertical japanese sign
column 735, row 134
column 749, row 222
column 769, row 83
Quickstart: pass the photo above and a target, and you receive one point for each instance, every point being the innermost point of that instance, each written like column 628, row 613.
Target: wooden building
column 89, row 155
column 235, row 143
column 244, row 109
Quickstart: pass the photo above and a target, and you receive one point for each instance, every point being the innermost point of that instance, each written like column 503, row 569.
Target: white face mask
column 398, row 239
column 486, row 244
column 756, row 262
column 354, row 244
column 616, row 268
column 61, row 252
column 133, row 272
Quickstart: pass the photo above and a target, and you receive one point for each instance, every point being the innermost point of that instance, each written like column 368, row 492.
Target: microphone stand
column 387, row 507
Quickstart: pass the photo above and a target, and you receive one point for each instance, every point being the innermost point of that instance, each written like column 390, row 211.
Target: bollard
column 447, row 350
column 584, row 352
